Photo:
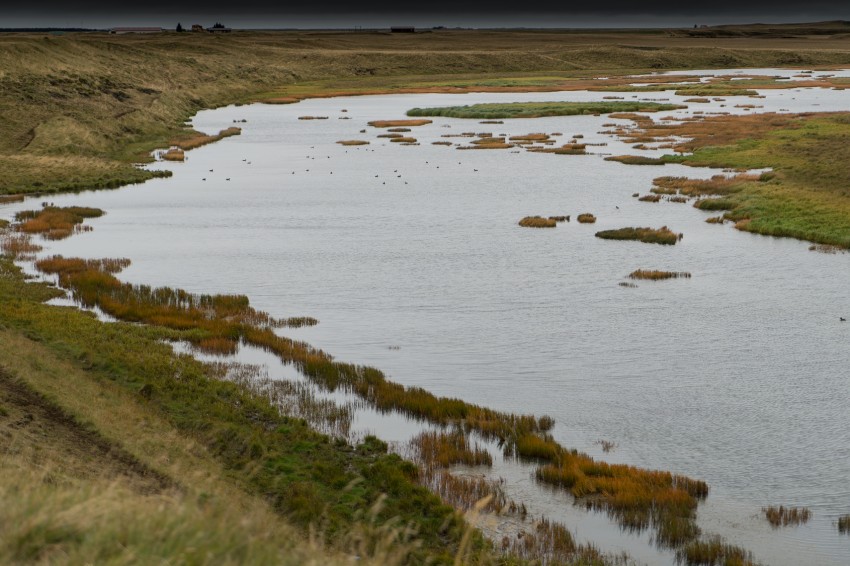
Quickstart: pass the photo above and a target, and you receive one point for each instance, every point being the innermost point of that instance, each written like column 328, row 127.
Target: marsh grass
column 9, row 199
column 655, row 275
column 566, row 149
column 353, row 142
column 403, row 140
column 441, row 143
column 537, row 222
column 398, row 123
column 175, row 154
column 197, row 140
column 636, row 160
column 586, row 218
column 446, row 449
column 844, row 524
column 19, row 246
column 389, row 136
column 716, row 220
column 560, row 218
column 661, row 235
column 714, row 552
column 312, row 117
column 492, row 111
column 781, row 516
column 55, row 223
column 397, row 130
column 650, row 198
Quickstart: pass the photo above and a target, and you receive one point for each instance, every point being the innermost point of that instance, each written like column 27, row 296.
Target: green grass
column 301, row 473
column 807, row 197
column 539, row 109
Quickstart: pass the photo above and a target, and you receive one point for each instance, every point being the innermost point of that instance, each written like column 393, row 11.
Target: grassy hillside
column 77, row 110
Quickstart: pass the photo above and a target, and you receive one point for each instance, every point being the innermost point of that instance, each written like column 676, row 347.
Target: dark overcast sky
column 376, row 13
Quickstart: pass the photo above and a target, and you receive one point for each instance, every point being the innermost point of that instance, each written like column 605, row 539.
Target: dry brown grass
column 55, row 223
column 403, row 140
column 197, row 140
column 175, row 154
column 8, row 199
column 353, row 142
column 650, row 198
column 586, row 218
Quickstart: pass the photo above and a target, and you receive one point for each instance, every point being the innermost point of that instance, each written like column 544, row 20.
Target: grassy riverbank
column 162, row 428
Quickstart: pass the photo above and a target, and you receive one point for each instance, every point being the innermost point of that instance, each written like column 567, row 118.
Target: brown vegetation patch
column 445, row 449
column 398, row 123
column 538, row 222
column 636, row 160
column 198, row 140
column 661, row 235
column 403, row 140
column 174, row 154
column 398, row 130
column 530, row 137
column 8, row 199
column 586, row 218
column 55, row 223
column 656, row 275
column 650, row 198
column 441, row 143
column 312, row 117
column 353, row 142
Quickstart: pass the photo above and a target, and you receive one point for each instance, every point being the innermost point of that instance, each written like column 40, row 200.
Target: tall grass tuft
column 586, row 218
column 781, row 516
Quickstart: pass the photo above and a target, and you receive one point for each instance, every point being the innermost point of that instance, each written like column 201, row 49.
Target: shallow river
column 412, row 260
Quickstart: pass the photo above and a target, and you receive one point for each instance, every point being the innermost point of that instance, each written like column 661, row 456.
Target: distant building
column 197, row 27
column 135, row 30
column 403, row 29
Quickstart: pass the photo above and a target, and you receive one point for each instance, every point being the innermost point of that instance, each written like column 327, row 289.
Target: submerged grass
column 661, row 235
column 539, row 109
column 781, row 516
column 445, row 449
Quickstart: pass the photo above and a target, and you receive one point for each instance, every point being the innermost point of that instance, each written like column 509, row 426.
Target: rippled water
column 739, row 376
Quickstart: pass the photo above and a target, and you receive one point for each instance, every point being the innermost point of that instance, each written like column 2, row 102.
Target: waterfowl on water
column 842, row 319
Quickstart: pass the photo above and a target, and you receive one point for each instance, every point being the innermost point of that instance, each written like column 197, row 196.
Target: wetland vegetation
column 647, row 235
column 85, row 126
column 539, row 109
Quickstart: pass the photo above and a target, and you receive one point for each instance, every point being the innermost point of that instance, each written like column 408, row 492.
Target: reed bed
column 445, row 449
column 781, row 516
column 19, row 246
column 586, row 218
column 844, row 524
column 549, row 542
column 656, row 275
column 174, row 154
column 717, row 220
column 662, row 235
column 678, row 199
column 636, row 160
column 698, row 100
column 398, row 123
column 495, row 111
column 714, row 552
column 290, row 398
column 55, row 223
column 9, row 199
column 537, row 222
column 403, row 140
column 353, row 142
column 199, row 140
column 560, row 218
column 650, row 198
column 390, row 136
column 469, row 492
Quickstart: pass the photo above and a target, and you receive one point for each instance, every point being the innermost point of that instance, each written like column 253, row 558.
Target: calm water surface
column 739, row 376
